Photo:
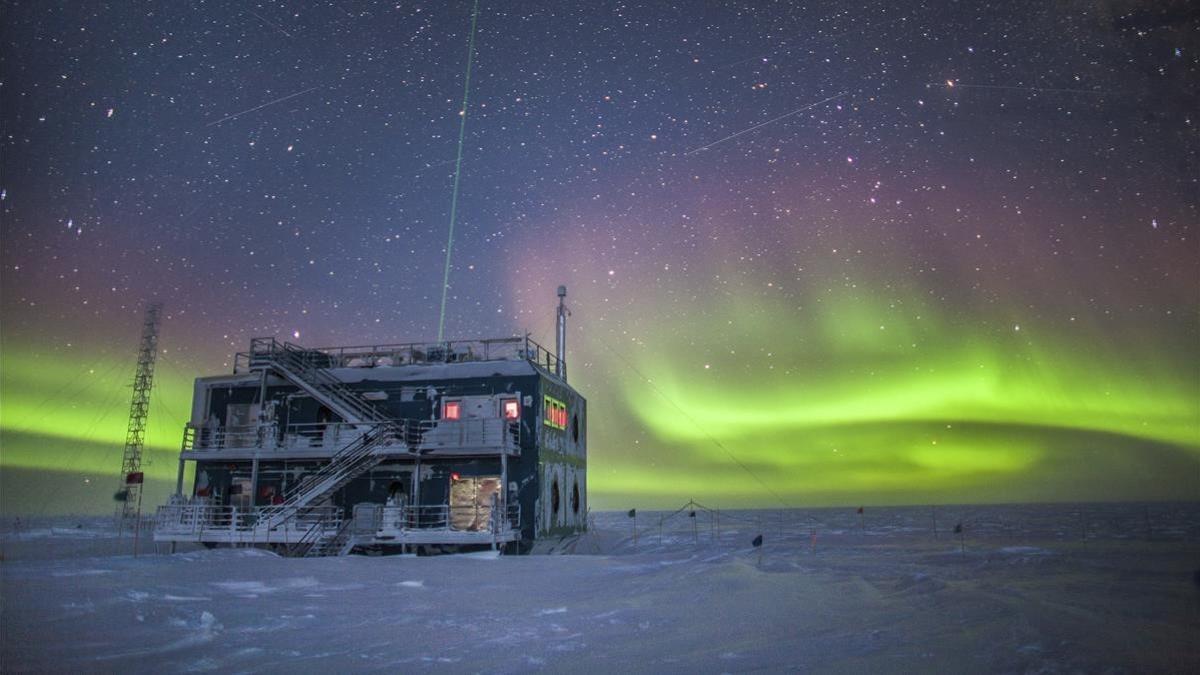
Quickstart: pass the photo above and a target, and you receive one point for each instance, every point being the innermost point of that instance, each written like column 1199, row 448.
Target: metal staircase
column 337, row 544
column 349, row 462
column 307, row 369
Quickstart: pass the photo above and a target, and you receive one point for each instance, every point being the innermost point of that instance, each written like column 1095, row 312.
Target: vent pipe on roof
column 560, row 367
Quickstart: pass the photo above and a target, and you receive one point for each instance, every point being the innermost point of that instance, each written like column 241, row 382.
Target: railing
column 309, row 368
column 482, row 433
column 412, row 353
column 331, row 544
column 317, row 434
column 342, row 467
column 470, row 518
column 194, row 519
column 197, row 519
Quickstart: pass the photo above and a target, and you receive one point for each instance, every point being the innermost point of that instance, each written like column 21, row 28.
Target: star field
column 881, row 252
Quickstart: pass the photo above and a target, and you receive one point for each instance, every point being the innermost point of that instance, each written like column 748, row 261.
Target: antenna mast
column 139, row 410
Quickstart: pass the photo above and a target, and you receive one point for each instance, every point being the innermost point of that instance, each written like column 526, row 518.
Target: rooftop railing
column 412, row 353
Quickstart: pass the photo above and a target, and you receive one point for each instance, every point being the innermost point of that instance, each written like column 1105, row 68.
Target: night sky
column 817, row 253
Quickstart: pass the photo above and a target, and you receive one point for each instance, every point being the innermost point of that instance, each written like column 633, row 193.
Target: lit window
column 512, row 411
column 555, row 413
column 452, row 410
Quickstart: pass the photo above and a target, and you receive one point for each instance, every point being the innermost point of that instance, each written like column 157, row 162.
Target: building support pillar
column 504, row 486
column 253, row 482
column 416, row 486
column 179, row 479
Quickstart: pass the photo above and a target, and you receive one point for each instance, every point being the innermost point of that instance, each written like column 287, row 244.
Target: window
column 554, row 413
column 512, row 410
column 554, row 498
column 452, row 410
column 575, row 497
column 471, row 501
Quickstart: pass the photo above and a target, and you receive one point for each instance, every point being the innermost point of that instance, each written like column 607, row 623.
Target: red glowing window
column 512, row 411
column 452, row 410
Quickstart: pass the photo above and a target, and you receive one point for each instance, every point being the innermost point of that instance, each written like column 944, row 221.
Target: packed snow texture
column 1099, row 588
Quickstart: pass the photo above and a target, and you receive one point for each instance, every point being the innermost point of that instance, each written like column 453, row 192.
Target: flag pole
column 633, row 516
column 137, row 526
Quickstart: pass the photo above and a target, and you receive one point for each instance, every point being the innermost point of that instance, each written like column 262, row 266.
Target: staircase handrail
column 361, row 447
column 302, row 364
column 323, row 545
column 294, row 361
column 310, row 370
column 343, row 466
column 307, row 540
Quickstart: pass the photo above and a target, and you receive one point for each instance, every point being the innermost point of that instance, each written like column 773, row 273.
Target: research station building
column 390, row 448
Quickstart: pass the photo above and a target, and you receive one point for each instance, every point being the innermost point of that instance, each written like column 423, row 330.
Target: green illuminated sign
column 554, row 413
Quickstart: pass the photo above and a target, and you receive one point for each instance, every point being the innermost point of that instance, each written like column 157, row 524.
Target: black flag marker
column 757, row 541
column 633, row 513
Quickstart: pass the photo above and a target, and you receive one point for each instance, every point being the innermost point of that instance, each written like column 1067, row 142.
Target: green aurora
column 62, row 426
column 845, row 401
column 861, row 401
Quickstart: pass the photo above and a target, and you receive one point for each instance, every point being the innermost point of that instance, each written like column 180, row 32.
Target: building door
column 471, row 501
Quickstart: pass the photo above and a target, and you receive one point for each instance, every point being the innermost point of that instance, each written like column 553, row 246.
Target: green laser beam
column 462, row 130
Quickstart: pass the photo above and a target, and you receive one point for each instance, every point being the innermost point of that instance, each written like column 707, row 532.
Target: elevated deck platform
column 427, row 438
column 372, row 525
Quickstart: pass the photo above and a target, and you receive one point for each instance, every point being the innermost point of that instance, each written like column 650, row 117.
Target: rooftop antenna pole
column 462, row 130
column 139, row 410
column 560, row 366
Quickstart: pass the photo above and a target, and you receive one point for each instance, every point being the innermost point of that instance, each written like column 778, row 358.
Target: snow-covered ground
column 1038, row 589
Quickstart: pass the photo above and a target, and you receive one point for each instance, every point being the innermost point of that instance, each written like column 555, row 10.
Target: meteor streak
column 770, row 121
column 951, row 84
column 260, row 107
column 270, row 23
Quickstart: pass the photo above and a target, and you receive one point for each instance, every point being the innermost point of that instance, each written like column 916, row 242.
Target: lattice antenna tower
column 139, row 410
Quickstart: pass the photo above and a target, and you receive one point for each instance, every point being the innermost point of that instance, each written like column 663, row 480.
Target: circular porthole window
column 575, row 497
column 554, row 498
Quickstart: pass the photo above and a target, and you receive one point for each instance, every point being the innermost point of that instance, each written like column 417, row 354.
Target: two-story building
column 425, row 447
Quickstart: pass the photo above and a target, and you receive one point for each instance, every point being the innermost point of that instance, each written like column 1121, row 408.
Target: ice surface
column 1026, row 589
